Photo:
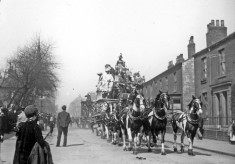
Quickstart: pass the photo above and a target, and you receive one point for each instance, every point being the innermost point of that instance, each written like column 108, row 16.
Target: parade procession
column 121, row 112
column 117, row 82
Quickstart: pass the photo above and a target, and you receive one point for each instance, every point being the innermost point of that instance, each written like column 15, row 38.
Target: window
column 166, row 80
column 176, row 104
column 204, row 101
column 175, row 82
column 222, row 62
column 204, row 68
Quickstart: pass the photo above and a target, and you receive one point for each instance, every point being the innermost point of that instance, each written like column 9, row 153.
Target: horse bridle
column 162, row 96
column 193, row 106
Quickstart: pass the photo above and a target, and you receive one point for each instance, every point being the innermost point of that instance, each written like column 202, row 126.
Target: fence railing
column 217, row 122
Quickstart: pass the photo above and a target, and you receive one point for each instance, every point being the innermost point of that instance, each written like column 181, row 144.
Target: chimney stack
column 215, row 33
column 191, row 47
column 170, row 64
column 179, row 59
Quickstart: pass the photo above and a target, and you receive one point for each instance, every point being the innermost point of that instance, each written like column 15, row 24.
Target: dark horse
column 188, row 122
column 131, row 121
column 157, row 120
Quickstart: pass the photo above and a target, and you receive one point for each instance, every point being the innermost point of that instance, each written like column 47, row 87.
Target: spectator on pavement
column 231, row 131
column 21, row 117
column 63, row 120
column 1, row 126
column 51, row 123
column 29, row 133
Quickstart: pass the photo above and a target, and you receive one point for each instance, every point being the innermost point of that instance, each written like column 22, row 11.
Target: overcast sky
column 91, row 33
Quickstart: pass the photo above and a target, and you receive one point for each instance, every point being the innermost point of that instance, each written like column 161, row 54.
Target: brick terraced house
column 215, row 76
column 209, row 73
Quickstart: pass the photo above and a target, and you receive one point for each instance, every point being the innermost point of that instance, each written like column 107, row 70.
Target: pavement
column 215, row 146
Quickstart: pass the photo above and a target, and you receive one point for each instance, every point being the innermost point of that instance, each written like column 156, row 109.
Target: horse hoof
column 134, row 152
column 175, row 149
column 190, row 152
column 182, row 149
column 124, row 149
column 129, row 148
column 149, row 150
column 152, row 144
column 163, row 153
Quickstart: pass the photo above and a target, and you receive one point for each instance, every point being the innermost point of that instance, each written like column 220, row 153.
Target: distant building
column 75, row 107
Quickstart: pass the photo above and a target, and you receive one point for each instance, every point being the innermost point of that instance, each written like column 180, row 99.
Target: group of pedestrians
column 30, row 146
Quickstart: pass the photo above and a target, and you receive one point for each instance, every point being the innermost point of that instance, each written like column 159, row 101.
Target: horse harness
column 157, row 116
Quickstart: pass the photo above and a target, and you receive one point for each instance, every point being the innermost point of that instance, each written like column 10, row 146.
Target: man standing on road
column 63, row 120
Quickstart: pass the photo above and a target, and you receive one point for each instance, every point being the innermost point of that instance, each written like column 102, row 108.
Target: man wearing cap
column 63, row 120
column 29, row 133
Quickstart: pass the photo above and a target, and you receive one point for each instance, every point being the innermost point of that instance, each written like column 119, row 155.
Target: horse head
column 138, row 101
column 162, row 101
column 195, row 106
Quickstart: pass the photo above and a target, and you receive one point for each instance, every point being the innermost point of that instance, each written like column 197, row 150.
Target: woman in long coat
column 29, row 133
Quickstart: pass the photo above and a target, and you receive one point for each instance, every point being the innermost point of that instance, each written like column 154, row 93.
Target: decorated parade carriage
column 113, row 91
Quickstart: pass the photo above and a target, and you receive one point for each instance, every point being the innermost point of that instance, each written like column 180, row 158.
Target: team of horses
column 135, row 119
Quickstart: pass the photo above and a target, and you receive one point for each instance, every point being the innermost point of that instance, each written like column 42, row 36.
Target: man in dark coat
column 63, row 120
column 29, row 133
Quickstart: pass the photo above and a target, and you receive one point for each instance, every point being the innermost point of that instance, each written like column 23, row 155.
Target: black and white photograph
column 117, row 81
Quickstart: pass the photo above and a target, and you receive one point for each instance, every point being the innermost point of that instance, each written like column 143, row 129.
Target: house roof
column 217, row 44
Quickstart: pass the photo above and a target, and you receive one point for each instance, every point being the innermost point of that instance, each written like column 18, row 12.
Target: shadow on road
column 75, row 145
column 197, row 153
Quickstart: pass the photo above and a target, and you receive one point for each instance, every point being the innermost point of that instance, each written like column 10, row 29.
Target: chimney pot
column 222, row 23
column 212, row 22
column 217, row 22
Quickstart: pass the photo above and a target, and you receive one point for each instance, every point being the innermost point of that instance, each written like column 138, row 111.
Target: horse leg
column 129, row 138
column 190, row 147
column 192, row 138
column 175, row 136
column 162, row 141
column 139, row 136
column 182, row 142
column 154, row 135
column 135, row 143
column 124, row 139
column 118, row 137
column 107, row 133
column 148, row 141
column 113, row 137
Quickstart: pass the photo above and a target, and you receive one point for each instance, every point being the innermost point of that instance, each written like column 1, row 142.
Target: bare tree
column 32, row 72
